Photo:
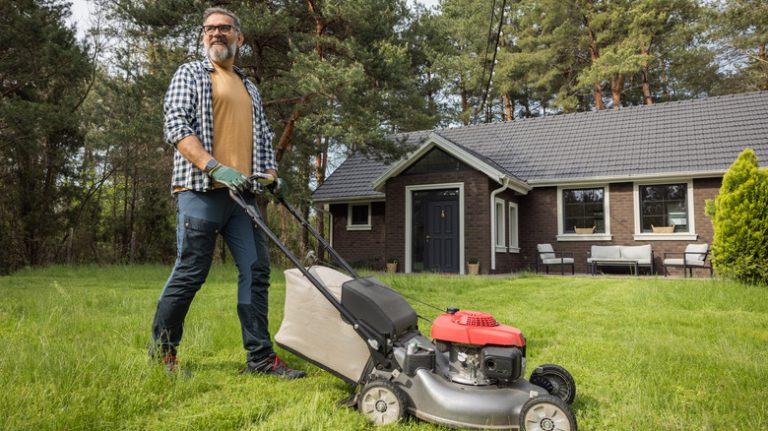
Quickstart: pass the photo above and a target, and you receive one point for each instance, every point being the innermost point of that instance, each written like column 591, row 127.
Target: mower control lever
column 261, row 178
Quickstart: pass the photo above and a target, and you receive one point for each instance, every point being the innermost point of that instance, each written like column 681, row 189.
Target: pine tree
column 44, row 74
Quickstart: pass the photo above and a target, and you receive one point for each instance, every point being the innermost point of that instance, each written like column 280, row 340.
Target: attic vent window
column 436, row 161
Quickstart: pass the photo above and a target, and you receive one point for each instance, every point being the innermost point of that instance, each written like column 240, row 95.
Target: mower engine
column 480, row 351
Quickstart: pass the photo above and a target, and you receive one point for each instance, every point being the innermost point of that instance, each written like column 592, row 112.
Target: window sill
column 585, row 237
column 683, row 236
column 359, row 227
column 514, row 250
column 501, row 249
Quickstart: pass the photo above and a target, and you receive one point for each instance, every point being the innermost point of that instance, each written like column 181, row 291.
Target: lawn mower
column 469, row 374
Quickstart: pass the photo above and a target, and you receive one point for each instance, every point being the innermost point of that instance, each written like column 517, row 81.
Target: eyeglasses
column 223, row 29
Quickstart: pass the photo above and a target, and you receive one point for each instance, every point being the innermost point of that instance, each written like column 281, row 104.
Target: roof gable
column 465, row 155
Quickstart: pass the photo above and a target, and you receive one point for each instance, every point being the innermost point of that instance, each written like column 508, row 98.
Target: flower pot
column 392, row 267
column 473, row 268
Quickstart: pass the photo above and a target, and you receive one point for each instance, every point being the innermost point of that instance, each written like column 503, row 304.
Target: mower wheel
column 382, row 402
column 546, row 413
column 556, row 380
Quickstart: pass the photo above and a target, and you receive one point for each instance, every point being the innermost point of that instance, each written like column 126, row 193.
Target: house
column 632, row 176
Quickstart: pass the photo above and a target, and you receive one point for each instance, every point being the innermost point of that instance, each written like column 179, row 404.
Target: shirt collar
column 209, row 67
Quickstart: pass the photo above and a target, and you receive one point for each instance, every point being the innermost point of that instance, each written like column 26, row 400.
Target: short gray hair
column 220, row 10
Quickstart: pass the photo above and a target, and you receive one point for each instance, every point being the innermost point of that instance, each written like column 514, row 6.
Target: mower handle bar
column 253, row 212
column 260, row 181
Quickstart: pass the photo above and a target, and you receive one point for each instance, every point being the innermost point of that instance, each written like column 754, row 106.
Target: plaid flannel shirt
column 188, row 108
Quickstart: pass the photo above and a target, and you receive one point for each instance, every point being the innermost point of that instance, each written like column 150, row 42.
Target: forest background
column 85, row 172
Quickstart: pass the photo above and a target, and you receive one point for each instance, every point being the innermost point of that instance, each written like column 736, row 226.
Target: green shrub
column 740, row 219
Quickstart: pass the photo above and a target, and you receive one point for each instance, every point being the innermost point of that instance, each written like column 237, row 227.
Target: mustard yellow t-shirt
column 232, row 121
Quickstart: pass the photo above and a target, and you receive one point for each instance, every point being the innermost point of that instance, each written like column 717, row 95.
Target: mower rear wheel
column 382, row 402
column 546, row 413
column 556, row 380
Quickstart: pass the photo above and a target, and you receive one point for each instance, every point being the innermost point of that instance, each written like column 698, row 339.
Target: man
column 215, row 120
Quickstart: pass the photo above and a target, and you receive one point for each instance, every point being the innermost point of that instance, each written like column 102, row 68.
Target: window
column 359, row 217
column 514, row 245
column 583, row 209
column 664, row 208
column 501, row 232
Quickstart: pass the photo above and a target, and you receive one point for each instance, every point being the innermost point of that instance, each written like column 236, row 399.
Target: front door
column 436, row 231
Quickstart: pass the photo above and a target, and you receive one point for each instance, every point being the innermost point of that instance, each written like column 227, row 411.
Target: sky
column 81, row 13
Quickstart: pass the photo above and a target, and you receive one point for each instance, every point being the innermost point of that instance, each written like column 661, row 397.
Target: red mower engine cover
column 475, row 328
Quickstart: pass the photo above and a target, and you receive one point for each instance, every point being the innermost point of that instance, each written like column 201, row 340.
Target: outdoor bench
column 633, row 256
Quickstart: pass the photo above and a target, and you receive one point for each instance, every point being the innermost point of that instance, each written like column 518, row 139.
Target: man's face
column 221, row 44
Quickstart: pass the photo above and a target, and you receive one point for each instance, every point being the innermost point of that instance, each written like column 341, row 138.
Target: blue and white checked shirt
column 188, row 108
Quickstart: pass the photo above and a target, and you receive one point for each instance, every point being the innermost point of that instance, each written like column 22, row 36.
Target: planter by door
column 392, row 267
column 473, row 268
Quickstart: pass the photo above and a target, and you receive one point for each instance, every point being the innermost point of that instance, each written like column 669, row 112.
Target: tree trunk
column 594, row 54
column 526, row 106
column 646, row 86
column 617, row 85
column 132, row 216
column 464, row 105
column 763, row 64
column 664, row 80
column 321, row 166
column 284, row 144
column 509, row 109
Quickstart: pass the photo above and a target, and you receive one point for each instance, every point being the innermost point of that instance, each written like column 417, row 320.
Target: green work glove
column 231, row 178
column 279, row 188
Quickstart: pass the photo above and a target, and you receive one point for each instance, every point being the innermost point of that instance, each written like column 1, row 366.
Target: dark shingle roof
column 353, row 178
column 701, row 135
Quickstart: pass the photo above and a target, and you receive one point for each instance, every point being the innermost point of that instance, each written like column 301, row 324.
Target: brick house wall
column 476, row 212
column 360, row 247
column 537, row 223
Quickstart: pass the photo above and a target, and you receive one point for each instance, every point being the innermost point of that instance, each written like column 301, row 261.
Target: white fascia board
column 626, row 178
column 351, row 199
column 435, row 140
column 400, row 166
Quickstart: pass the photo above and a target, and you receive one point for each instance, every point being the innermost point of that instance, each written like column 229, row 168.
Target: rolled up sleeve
column 179, row 107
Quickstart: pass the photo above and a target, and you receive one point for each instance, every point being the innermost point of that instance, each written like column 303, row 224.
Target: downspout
column 504, row 186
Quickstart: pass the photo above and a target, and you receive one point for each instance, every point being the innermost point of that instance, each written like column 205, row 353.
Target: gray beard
column 218, row 55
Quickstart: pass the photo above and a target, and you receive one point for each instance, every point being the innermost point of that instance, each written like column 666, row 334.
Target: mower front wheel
column 556, row 380
column 546, row 413
column 382, row 402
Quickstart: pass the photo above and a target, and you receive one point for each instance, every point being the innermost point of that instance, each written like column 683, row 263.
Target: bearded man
column 215, row 120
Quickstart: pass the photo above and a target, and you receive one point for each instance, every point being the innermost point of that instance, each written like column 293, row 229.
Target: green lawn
column 646, row 353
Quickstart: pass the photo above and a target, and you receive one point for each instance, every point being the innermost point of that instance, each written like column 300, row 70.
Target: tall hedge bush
column 740, row 219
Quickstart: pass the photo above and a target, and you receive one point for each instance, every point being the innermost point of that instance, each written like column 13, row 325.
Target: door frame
column 409, row 220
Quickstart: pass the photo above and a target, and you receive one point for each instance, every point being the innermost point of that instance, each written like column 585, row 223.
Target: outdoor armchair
column 548, row 256
column 694, row 256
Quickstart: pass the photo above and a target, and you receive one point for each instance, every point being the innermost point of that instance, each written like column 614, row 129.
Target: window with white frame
column 583, row 209
column 664, row 208
column 501, row 232
column 359, row 216
column 514, row 243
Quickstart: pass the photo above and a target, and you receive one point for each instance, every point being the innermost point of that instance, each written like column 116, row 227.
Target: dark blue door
column 441, row 236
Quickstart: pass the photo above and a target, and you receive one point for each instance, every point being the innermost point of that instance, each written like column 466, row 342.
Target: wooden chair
column 694, row 256
column 548, row 256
